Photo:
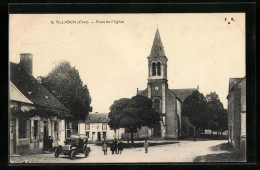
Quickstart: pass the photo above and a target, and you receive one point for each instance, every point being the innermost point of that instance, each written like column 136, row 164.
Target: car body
column 74, row 145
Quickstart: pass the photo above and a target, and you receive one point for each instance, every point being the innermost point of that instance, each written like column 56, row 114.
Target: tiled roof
column 97, row 118
column 183, row 93
column 32, row 89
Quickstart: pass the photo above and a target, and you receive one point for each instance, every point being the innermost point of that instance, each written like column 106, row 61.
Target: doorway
column 99, row 136
column 157, row 130
column 93, row 136
column 45, row 135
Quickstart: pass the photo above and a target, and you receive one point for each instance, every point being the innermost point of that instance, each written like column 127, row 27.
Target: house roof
column 17, row 95
column 32, row 89
column 97, row 118
column 182, row 94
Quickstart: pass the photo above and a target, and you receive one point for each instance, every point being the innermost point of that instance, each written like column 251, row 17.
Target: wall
column 171, row 117
column 237, row 113
column 143, row 133
column 179, row 116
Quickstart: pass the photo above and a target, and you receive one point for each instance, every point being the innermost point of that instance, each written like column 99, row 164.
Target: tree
column 65, row 84
column 132, row 114
column 196, row 109
column 217, row 113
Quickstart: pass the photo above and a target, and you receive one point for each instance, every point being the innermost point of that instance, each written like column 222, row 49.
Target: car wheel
column 73, row 154
column 86, row 153
column 56, row 153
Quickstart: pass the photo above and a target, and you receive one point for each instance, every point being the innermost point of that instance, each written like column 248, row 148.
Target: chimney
column 198, row 87
column 26, row 62
column 137, row 91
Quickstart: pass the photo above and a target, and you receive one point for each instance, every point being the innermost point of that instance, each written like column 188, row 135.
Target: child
column 146, row 145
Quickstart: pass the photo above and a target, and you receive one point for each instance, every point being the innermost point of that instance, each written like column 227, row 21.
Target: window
column 104, row 126
column 87, row 134
column 154, row 69
column 87, row 126
column 22, row 128
column 158, row 68
column 104, row 135
column 35, row 130
column 69, row 125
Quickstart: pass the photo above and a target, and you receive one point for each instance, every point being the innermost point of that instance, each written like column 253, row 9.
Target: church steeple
column 157, row 48
column 157, row 61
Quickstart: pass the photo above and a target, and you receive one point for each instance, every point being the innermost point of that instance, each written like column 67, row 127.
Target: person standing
column 116, row 146
column 112, row 147
column 50, row 141
column 120, row 146
column 104, row 148
column 146, row 145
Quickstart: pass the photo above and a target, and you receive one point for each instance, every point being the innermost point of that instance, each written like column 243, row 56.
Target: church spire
column 157, row 48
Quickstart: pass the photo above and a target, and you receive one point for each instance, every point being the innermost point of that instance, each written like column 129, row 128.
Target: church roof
column 183, row 93
column 32, row 89
column 140, row 92
column 157, row 48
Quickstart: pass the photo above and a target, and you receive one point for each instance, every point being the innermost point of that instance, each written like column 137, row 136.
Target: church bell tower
column 157, row 76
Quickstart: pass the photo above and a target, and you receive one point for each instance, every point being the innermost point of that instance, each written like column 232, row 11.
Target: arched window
column 154, row 69
column 157, row 104
column 158, row 69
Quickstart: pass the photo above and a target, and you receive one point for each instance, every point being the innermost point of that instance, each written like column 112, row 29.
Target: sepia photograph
column 127, row 88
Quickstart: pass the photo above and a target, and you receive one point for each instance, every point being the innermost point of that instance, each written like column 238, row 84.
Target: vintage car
column 74, row 145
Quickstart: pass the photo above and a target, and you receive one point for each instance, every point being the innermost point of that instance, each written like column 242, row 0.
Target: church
column 168, row 102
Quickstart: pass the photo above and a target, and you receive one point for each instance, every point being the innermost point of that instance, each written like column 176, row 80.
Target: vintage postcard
column 127, row 88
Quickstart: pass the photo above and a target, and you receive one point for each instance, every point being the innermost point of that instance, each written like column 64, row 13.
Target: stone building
column 96, row 128
column 28, row 133
column 237, row 112
column 166, row 101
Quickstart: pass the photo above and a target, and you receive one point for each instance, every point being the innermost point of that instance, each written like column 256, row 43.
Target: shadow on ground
column 230, row 156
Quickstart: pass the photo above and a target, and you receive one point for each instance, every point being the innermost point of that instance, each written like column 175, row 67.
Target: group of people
column 115, row 148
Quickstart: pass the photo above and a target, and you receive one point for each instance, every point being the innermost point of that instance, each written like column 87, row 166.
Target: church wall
column 171, row 117
column 179, row 116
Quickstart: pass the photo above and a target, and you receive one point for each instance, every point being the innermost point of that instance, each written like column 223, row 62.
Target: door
column 93, row 136
column 99, row 136
column 157, row 130
column 45, row 134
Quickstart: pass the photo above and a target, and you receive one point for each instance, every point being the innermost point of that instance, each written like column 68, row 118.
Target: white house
column 27, row 128
column 96, row 128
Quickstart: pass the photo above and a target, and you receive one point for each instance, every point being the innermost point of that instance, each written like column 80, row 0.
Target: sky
column 202, row 49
